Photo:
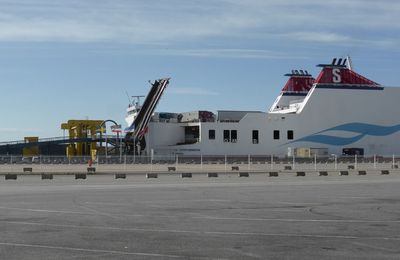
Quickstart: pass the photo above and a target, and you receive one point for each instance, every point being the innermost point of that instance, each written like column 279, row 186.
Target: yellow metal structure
column 80, row 130
column 31, row 150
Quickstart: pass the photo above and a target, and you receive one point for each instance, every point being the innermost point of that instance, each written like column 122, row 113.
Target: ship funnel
column 333, row 61
column 339, row 62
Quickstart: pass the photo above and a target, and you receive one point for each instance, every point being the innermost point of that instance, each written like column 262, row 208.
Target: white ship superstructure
column 338, row 112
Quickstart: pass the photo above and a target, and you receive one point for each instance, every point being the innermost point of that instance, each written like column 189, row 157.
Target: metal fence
column 225, row 163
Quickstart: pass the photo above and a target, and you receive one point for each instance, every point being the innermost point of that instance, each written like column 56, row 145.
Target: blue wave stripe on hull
column 361, row 129
column 330, row 140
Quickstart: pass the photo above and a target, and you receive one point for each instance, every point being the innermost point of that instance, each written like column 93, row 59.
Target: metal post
column 11, row 164
column 248, row 162
column 393, row 163
column 225, row 163
column 120, row 149
column 315, row 162
column 134, row 150
column 335, row 162
column 374, row 161
column 176, row 162
column 355, row 161
column 106, row 148
column 272, row 162
column 201, row 162
column 151, row 163
column 125, row 162
column 293, row 161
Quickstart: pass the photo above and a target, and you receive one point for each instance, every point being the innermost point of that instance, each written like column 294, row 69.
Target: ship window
column 211, row 134
column 255, row 136
column 233, row 136
column 276, row 134
column 227, row 136
column 290, row 134
column 192, row 134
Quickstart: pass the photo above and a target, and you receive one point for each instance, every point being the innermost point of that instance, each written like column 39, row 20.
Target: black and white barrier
column 244, row 174
column 10, row 176
column 212, row 175
column 186, row 175
column 47, row 176
column 273, row 174
column 151, row 175
column 120, row 176
column 80, row 176
column 362, row 173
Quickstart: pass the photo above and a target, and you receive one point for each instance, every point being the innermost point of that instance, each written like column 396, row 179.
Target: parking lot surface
column 228, row 217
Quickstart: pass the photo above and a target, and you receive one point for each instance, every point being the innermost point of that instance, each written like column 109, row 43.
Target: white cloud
column 223, row 53
column 193, row 91
column 227, row 22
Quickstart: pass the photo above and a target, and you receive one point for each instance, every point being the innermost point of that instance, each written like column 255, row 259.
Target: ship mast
column 349, row 63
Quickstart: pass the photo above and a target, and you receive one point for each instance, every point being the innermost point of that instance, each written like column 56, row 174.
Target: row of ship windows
column 232, row 135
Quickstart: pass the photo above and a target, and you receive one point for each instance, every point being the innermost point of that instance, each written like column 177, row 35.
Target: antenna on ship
column 349, row 63
column 137, row 98
column 129, row 98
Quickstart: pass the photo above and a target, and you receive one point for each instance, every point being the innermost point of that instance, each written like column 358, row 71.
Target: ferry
column 339, row 112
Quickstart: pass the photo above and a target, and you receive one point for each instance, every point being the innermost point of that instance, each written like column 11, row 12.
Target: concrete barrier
column 343, row 173
column 385, row 172
column 323, row 173
column 91, row 170
column 186, row 175
column 300, row 174
column 288, row 167
column 172, row 168
column 80, row 176
column 350, row 167
column 212, row 174
column 151, row 175
column 27, row 169
column 120, row 176
column 47, row 176
column 362, row 173
column 10, row 176
column 244, row 174
column 235, row 168
column 273, row 174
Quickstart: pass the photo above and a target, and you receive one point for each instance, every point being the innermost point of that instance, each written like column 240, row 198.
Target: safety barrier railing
column 224, row 162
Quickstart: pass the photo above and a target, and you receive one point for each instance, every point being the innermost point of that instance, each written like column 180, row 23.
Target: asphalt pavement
column 228, row 217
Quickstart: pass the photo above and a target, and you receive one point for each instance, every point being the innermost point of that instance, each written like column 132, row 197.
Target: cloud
column 192, row 91
column 225, row 24
column 211, row 52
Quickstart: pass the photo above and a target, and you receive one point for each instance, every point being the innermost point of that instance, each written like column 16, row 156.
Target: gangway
column 54, row 145
column 137, row 130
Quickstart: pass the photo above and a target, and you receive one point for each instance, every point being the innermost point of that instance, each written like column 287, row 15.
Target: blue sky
column 75, row 59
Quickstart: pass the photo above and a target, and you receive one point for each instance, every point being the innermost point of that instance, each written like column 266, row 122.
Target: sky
column 78, row 59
